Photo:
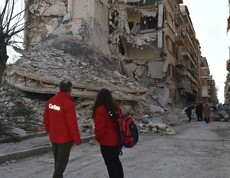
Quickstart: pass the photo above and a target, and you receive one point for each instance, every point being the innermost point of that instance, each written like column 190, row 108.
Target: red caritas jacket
column 105, row 129
column 60, row 119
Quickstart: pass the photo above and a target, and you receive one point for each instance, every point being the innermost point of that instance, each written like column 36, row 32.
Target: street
column 198, row 150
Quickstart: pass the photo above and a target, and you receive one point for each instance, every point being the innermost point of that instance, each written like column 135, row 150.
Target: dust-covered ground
column 198, row 150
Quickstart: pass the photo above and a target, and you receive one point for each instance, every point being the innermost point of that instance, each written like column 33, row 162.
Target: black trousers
column 112, row 161
column 207, row 120
column 199, row 117
column 61, row 157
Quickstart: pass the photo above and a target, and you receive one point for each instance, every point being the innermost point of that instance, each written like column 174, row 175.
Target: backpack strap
column 120, row 146
column 120, row 150
column 120, row 112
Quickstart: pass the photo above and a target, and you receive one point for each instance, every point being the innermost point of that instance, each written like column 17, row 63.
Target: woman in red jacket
column 105, row 113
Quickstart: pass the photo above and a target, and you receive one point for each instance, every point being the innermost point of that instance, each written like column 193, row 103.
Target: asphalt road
column 198, row 150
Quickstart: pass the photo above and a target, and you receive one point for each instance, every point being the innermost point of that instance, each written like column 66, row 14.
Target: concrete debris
column 41, row 69
column 156, row 109
column 145, row 123
column 156, row 128
column 132, row 32
column 221, row 113
column 48, row 9
column 141, row 39
column 161, row 100
column 36, row 77
column 18, row 117
column 15, row 131
column 52, row 25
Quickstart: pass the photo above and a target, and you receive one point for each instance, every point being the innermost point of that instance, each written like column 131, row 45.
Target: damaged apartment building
column 208, row 84
column 150, row 41
column 227, row 84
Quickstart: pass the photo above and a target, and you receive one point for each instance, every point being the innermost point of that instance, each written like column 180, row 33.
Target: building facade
column 151, row 41
column 227, row 82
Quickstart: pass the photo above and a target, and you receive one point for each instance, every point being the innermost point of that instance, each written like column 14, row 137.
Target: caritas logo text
column 54, row 107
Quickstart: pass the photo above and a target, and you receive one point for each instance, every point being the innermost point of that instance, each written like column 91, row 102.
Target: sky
column 209, row 18
column 19, row 6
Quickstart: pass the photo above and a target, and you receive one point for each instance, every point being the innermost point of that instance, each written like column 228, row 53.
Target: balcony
column 228, row 65
column 141, row 2
column 187, row 55
column 180, row 65
column 189, row 75
column 187, row 37
column 178, row 17
column 195, row 88
column 180, row 85
column 205, row 76
column 205, row 68
column 179, row 40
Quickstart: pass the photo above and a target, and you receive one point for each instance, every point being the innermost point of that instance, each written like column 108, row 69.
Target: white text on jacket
column 55, row 107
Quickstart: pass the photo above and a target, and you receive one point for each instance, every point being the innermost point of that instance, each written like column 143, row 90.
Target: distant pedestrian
column 61, row 124
column 105, row 114
column 188, row 111
column 207, row 113
column 214, row 108
column 199, row 111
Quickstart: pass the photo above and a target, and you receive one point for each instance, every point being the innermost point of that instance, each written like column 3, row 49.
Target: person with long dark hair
column 105, row 113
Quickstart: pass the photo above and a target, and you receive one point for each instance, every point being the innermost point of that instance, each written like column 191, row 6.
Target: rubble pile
column 160, row 123
column 148, row 122
column 17, row 111
column 222, row 113
column 41, row 69
column 37, row 74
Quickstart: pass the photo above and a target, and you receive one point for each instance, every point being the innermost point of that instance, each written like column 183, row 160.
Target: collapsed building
column 145, row 51
column 151, row 41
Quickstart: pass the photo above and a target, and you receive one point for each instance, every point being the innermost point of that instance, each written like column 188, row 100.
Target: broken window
column 131, row 24
column 148, row 22
column 204, row 82
column 133, row 21
column 171, row 71
column 113, row 21
column 171, row 46
column 141, row 2
column 121, row 47
column 137, row 21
